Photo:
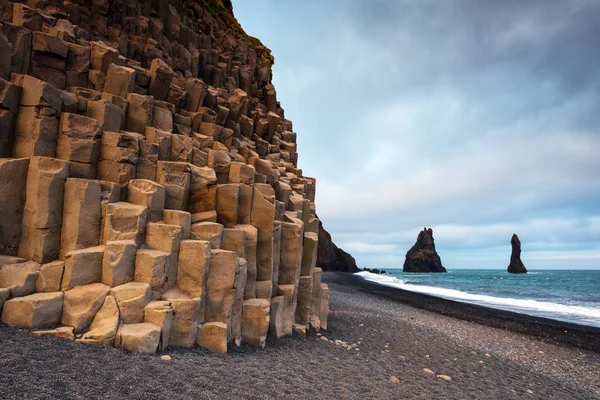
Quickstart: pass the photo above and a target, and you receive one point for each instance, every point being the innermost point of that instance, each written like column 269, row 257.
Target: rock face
column 422, row 257
column 150, row 190
column 516, row 265
column 332, row 258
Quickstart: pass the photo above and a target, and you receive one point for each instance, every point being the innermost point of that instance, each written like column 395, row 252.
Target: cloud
column 368, row 248
column 476, row 117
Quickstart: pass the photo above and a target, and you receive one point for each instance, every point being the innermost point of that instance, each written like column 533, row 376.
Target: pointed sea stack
column 516, row 265
column 422, row 257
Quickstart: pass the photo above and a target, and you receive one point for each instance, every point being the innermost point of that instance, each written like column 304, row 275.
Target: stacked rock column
column 154, row 198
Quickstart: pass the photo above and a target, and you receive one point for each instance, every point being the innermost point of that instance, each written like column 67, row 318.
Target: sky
column 477, row 118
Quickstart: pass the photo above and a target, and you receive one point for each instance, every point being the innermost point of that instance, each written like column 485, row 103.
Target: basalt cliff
column 150, row 190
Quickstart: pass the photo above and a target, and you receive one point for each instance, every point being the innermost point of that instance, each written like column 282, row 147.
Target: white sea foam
column 535, row 307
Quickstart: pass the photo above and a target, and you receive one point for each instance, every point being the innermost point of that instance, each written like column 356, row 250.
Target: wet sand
column 497, row 357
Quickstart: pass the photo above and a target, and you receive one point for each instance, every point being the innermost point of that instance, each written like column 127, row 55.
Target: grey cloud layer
column 468, row 114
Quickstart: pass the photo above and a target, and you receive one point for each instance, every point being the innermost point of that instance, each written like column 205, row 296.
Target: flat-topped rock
column 35, row 311
column 139, row 338
column 20, row 278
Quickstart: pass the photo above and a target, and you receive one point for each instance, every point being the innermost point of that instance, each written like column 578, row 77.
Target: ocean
column 572, row 296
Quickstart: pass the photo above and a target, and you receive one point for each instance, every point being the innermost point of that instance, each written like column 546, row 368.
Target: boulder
column 82, row 303
column 103, row 329
column 131, row 299
column 35, row 311
column 422, row 257
column 138, row 338
column 213, row 336
column 63, row 332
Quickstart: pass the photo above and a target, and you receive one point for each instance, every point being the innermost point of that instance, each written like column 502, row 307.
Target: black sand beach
column 500, row 356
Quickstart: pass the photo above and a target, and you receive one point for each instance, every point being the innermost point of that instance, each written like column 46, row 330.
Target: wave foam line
column 453, row 294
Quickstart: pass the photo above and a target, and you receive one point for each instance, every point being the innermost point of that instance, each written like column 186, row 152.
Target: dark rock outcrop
column 376, row 271
column 332, row 258
column 516, row 265
column 422, row 257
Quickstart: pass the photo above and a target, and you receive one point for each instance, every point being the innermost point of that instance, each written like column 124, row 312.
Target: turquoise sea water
column 572, row 296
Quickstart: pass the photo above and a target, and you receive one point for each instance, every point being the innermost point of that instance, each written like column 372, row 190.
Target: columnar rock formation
column 422, row 257
column 516, row 265
column 150, row 189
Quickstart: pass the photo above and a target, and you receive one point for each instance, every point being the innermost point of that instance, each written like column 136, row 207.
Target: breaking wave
column 571, row 313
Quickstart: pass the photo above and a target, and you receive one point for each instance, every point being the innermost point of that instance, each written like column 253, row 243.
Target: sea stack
column 516, row 265
column 422, row 257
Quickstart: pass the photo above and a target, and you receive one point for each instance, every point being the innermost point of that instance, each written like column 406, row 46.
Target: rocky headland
column 332, row 258
column 422, row 257
column 516, row 265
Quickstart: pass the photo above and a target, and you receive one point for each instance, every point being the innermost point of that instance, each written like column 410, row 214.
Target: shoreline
column 371, row 339
column 559, row 332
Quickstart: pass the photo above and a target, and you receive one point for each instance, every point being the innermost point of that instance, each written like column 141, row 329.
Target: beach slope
column 393, row 339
